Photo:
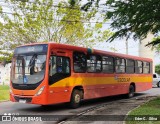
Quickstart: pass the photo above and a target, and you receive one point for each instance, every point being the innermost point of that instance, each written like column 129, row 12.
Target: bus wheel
column 75, row 99
column 131, row 91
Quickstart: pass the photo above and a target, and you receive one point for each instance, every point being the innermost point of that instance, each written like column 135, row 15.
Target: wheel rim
column 77, row 98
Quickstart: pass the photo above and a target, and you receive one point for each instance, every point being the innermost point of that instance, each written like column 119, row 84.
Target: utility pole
column 127, row 46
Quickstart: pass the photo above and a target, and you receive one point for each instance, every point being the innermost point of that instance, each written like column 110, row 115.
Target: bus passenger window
column 63, row 65
column 107, row 64
column 146, row 67
column 94, row 63
column 129, row 66
column 138, row 67
column 79, row 60
column 120, row 65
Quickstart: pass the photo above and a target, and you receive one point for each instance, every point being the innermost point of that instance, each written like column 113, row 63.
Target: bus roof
column 89, row 50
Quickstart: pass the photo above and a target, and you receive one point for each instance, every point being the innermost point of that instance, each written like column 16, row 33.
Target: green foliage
column 157, row 69
column 42, row 21
column 4, row 87
column 5, row 56
column 132, row 17
column 4, row 92
column 75, row 30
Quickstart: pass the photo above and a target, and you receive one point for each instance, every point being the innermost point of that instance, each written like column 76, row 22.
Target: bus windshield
column 28, row 67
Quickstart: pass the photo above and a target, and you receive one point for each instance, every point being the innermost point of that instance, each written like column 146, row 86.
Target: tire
column 131, row 91
column 158, row 84
column 75, row 98
column 44, row 106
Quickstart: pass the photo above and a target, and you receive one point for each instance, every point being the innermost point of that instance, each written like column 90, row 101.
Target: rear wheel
column 131, row 91
column 75, row 98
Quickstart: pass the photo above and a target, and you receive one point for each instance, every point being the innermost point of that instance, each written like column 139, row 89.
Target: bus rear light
column 40, row 91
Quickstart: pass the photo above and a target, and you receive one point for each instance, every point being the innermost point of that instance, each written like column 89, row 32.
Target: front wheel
column 131, row 91
column 75, row 99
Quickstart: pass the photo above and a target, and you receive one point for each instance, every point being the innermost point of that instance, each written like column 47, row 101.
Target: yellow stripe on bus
column 72, row 81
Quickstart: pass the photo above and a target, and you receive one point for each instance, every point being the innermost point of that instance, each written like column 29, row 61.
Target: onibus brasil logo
column 16, row 117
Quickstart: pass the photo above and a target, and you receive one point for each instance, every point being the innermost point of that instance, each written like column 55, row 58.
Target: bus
column 52, row 73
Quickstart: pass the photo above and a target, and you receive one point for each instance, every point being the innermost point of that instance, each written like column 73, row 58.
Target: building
column 147, row 52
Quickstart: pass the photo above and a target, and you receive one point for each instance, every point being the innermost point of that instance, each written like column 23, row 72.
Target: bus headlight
column 40, row 91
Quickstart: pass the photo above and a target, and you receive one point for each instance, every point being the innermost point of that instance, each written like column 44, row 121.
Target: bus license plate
column 22, row 101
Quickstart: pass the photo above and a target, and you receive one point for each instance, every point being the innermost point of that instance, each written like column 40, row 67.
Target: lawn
column 148, row 113
column 4, row 92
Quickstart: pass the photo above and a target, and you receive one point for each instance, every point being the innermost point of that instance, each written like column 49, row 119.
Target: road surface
column 116, row 105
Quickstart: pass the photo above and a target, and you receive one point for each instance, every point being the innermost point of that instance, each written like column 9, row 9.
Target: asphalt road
column 105, row 106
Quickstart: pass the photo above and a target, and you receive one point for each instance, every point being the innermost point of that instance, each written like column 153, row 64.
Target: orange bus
column 50, row 73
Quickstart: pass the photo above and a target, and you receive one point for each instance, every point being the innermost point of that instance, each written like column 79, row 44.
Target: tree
column 157, row 69
column 78, row 29
column 41, row 20
column 136, row 17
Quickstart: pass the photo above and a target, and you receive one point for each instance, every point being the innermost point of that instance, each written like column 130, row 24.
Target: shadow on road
column 65, row 106
column 155, row 87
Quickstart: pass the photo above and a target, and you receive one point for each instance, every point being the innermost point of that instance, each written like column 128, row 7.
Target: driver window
column 59, row 68
column 59, row 65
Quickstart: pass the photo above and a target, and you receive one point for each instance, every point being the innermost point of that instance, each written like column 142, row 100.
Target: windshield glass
column 28, row 67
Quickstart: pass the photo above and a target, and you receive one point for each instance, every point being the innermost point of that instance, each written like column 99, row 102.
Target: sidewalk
column 109, row 113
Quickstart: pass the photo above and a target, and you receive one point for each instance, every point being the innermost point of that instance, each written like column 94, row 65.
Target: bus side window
column 138, row 67
column 146, row 67
column 120, row 65
column 130, row 66
column 107, row 64
column 94, row 63
column 79, row 62
column 63, row 65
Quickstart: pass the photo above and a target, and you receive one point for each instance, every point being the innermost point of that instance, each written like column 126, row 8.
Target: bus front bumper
column 28, row 99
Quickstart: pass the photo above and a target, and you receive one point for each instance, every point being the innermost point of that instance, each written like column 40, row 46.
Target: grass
column 146, row 112
column 4, row 92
